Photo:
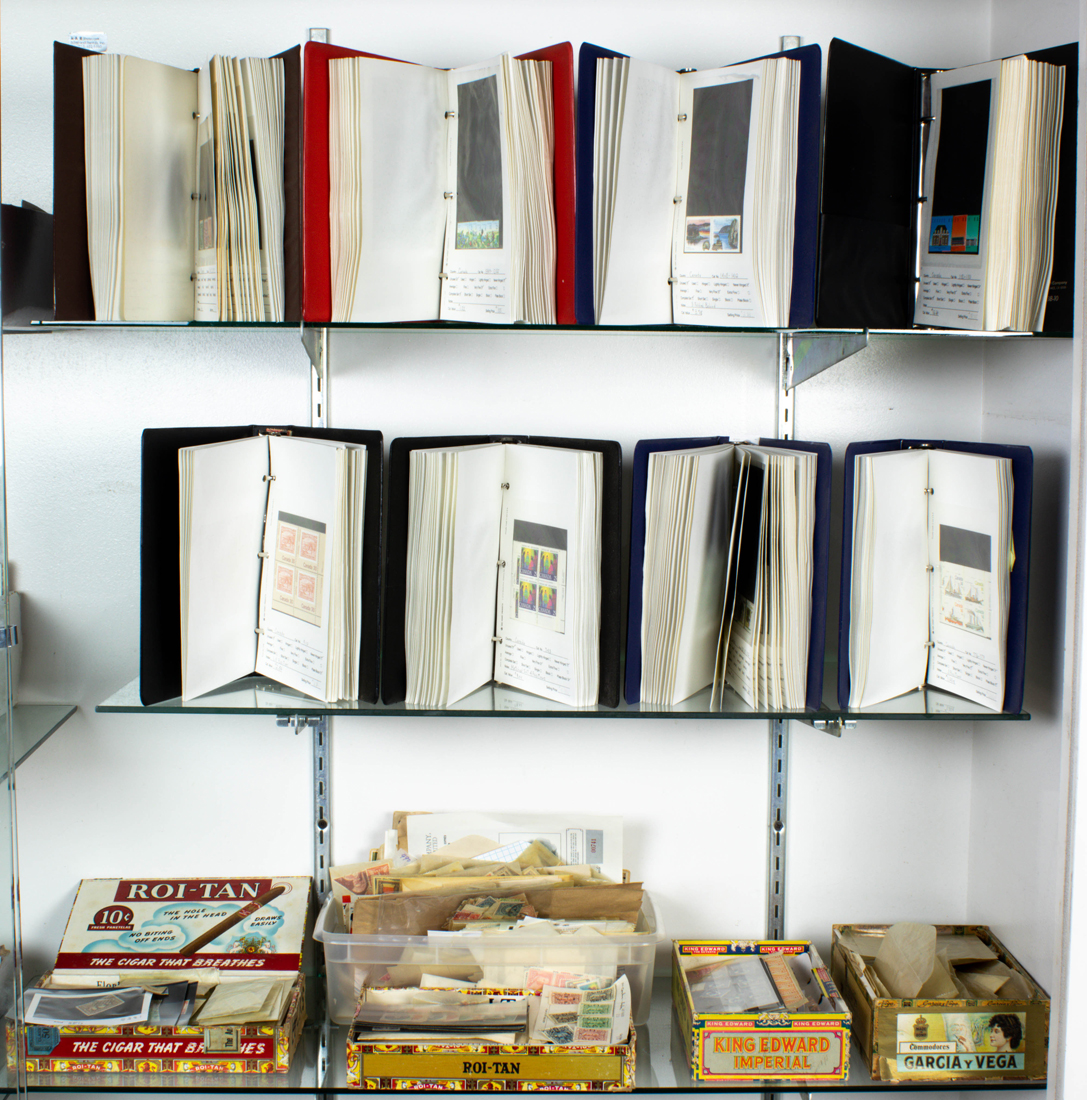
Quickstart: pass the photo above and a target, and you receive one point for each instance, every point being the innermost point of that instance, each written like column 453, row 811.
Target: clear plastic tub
column 352, row 962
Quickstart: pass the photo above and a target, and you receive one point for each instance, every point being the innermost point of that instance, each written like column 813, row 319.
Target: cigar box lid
column 241, row 925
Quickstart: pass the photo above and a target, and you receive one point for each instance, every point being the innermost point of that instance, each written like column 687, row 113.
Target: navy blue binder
column 820, row 556
column 645, row 447
column 1022, row 459
column 806, row 222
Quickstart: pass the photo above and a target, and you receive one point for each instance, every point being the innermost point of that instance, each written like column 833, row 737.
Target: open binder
column 1021, row 461
column 820, row 555
column 871, row 216
column 317, row 184
column 394, row 672
column 160, row 529
column 74, row 297
column 801, row 306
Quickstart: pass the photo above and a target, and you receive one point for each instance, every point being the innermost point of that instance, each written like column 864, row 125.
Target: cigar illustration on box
column 244, row 925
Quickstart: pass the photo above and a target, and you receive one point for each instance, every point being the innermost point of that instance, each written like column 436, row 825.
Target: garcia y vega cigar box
column 998, row 1031
column 215, row 934
column 758, row 1010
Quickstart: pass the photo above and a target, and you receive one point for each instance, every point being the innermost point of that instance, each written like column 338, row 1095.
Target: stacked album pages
column 694, row 192
column 930, row 576
column 185, row 189
column 727, row 574
column 503, row 572
column 442, row 196
column 271, row 560
column 991, row 195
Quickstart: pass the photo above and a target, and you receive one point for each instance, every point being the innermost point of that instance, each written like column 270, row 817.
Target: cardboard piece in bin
column 1003, row 1037
column 414, row 915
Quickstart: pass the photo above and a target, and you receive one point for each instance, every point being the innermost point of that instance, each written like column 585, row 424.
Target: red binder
column 317, row 281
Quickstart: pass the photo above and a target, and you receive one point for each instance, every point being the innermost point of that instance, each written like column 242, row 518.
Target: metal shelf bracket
column 833, row 726
column 810, row 353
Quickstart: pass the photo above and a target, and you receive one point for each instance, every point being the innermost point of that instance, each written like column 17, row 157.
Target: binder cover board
column 71, row 256
column 394, row 664
column 805, row 244
column 1022, row 459
column 642, row 450
column 160, row 533
column 871, row 171
column 316, row 186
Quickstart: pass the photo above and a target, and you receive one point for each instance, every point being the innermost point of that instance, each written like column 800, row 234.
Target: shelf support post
column 779, row 797
column 315, row 341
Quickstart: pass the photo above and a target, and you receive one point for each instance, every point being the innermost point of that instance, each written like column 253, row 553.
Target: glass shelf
column 42, row 326
column 33, row 724
column 660, row 1066
column 258, row 695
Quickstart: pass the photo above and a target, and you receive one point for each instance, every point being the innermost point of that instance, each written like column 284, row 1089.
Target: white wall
column 893, row 820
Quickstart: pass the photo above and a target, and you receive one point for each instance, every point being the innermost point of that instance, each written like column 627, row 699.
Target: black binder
column 394, row 663
column 868, row 223
column 160, row 532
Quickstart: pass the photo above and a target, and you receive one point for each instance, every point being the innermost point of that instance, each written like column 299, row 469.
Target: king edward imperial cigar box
column 758, row 1010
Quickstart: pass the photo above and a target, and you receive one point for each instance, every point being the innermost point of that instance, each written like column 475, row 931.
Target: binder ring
column 681, row 118
column 495, row 638
column 268, row 477
column 448, row 194
column 262, row 554
column 450, row 114
column 677, row 200
column 442, row 275
column 671, row 280
column 930, row 645
column 505, row 484
column 929, row 491
column 930, row 569
column 258, row 630
column 502, row 564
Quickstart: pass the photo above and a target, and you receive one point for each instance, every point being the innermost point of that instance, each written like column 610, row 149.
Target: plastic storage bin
column 354, row 961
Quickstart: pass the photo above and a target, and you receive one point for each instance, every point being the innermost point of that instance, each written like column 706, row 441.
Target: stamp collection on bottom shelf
column 518, row 955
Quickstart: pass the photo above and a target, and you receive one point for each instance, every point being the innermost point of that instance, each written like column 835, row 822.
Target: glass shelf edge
column 257, row 695
column 34, row 724
column 44, row 326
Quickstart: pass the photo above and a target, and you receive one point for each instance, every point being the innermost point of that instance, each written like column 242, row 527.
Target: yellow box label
column 506, row 1067
column 789, row 1053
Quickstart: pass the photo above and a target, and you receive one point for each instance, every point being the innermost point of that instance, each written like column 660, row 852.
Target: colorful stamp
column 725, row 234
column 526, row 596
column 600, row 994
column 547, row 600
column 288, row 538
column 285, row 580
column 307, row 587
column 592, row 1034
column 529, row 561
column 566, row 998
column 549, row 565
column 309, row 546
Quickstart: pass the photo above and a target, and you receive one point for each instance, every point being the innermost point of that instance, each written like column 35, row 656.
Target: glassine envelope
column 577, row 838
